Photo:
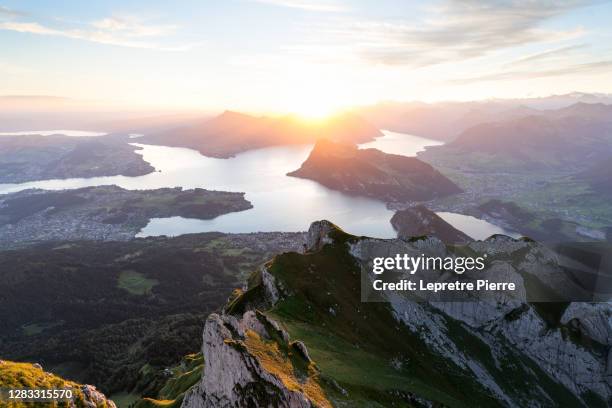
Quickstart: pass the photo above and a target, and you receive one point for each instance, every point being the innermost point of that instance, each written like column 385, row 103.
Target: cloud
column 594, row 67
column 454, row 31
column 119, row 31
column 546, row 55
column 306, row 5
column 131, row 27
column 6, row 12
column 33, row 28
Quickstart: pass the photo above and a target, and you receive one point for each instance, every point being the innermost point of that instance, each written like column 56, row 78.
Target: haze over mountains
column 557, row 139
column 446, row 120
column 233, row 132
column 437, row 120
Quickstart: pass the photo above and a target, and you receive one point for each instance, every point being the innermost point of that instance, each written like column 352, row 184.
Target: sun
column 314, row 97
column 314, row 108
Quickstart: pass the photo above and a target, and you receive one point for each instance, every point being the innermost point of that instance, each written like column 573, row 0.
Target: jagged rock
column 575, row 366
column 482, row 340
column 270, row 288
column 274, row 325
column 234, row 376
column 579, row 369
column 594, row 320
column 318, row 235
column 301, row 347
column 95, row 399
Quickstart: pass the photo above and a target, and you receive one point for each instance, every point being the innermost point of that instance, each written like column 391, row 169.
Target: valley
column 116, row 314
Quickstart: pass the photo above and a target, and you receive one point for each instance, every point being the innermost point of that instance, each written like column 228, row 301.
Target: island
column 231, row 133
column 26, row 158
column 103, row 213
column 372, row 173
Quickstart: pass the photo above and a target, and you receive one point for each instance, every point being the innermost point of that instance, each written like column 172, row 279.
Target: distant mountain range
column 232, row 132
column 372, row 173
column 446, row 120
column 578, row 135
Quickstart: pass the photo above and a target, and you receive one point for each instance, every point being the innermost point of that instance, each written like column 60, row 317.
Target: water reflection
column 400, row 143
column 281, row 203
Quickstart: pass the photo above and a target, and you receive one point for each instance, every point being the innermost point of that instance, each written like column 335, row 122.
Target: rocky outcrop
column 94, row 398
column 33, row 376
column 319, row 235
column 237, row 374
column 581, row 366
column 519, row 353
column 419, row 221
column 593, row 320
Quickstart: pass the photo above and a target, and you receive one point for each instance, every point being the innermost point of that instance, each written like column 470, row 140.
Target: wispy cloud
column 454, row 31
column 119, row 31
column 6, row 12
column 573, row 69
column 310, row 5
column 132, row 27
column 549, row 54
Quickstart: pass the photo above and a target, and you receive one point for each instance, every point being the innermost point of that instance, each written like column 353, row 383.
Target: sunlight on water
column 281, row 203
column 400, row 143
column 474, row 227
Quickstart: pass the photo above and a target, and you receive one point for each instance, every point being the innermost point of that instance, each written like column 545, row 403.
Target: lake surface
column 400, row 143
column 474, row 227
column 281, row 203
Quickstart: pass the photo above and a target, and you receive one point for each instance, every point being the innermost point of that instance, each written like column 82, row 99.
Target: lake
column 281, row 203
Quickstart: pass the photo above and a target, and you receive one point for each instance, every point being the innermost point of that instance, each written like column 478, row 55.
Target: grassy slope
column 26, row 375
column 354, row 345
column 182, row 378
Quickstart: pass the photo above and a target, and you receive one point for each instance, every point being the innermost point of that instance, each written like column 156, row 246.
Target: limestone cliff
column 399, row 352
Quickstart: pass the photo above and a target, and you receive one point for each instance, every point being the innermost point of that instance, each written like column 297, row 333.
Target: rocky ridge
column 508, row 352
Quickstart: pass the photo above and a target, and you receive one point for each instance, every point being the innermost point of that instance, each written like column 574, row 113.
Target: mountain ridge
column 338, row 350
column 372, row 173
column 233, row 132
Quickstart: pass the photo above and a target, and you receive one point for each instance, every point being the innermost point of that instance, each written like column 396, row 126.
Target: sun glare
column 314, row 108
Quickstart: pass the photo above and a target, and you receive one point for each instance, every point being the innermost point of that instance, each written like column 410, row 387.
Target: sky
column 310, row 57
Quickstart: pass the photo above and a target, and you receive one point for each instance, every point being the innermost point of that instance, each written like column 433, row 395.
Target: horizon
column 311, row 58
column 73, row 106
